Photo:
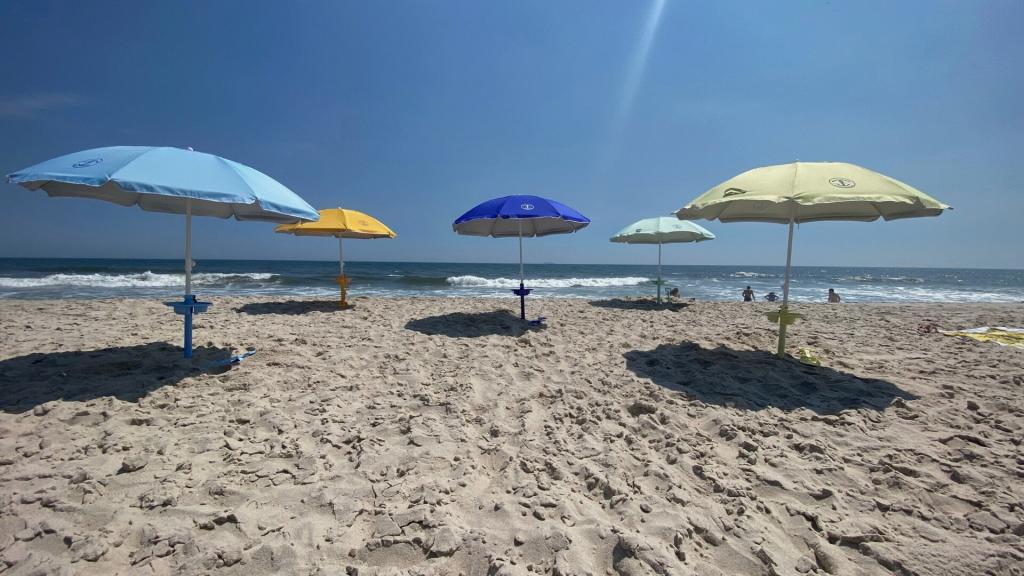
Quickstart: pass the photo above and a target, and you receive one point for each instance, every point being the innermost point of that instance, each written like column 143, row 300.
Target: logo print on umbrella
column 526, row 206
column 87, row 163
column 842, row 182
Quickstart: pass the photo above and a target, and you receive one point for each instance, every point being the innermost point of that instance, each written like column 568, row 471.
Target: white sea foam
column 897, row 294
column 869, row 278
column 478, row 282
column 906, row 294
column 139, row 280
column 855, row 286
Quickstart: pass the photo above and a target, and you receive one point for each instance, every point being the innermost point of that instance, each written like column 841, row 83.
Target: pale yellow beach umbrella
column 809, row 192
column 341, row 224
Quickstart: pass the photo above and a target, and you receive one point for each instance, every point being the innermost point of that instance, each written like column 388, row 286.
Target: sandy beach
column 437, row 436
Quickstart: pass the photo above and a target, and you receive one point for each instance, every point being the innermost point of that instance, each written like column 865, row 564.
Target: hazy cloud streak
column 30, row 105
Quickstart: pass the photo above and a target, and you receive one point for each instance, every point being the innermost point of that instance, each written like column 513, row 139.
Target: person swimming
column 833, row 296
column 748, row 295
column 772, row 297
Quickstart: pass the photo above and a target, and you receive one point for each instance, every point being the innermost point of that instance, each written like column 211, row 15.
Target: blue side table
column 187, row 308
column 522, row 292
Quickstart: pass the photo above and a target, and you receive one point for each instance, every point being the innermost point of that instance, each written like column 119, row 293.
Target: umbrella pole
column 342, row 281
column 522, row 288
column 785, row 293
column 659, row 272
column 188, row 279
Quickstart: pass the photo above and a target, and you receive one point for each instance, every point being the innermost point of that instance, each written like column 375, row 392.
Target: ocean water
column 102, row 278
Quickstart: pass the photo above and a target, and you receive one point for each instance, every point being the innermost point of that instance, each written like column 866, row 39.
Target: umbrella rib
column 244, row 182
column 189, row 193
column 792, row 200
column 112, row 177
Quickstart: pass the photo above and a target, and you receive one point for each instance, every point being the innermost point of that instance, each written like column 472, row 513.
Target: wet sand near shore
column 441, row 436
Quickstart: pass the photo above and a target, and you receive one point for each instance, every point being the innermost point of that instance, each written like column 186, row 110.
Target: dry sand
column 436, row 436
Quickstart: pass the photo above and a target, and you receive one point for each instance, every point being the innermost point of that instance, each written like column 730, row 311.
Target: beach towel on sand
column 1012, row 337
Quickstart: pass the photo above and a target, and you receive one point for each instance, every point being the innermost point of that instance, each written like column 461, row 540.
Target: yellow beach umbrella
column 808, row 192
column 341, row 224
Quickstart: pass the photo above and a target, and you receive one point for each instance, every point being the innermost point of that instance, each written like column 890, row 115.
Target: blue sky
column 415, row 111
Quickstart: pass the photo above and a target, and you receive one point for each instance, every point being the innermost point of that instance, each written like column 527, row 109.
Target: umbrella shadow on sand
column 639, row 304
column 292, row 307
column 754, row 380
column 124, row 372
column 471, row 325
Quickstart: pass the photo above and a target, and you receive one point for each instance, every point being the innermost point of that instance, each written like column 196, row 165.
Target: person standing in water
column 772, row 297
column 833, row 296
column 748, row 295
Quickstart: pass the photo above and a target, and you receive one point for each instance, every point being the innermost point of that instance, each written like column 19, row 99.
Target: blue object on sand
column 538, row 322
column 518, row 216
column 522, row 292
column 172, row 180
column 187, row 308
column 230, row 361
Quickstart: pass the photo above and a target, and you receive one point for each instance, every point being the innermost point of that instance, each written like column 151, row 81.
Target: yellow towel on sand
column 1013, row 337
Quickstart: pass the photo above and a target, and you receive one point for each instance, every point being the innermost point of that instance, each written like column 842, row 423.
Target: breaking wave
column 878, row 279
column 139, row 280
column 478, row 282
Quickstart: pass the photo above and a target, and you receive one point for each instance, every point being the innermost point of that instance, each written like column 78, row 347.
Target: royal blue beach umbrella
column 172, row 180
column 519, row 216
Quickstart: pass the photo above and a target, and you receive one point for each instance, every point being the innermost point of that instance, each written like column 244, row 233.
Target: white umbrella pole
column 342, row 281
column 341, row 257
column 189, row 309
column 520, row 255
column 659, row 272
column 188, row 248
column 522, row 288
column 785, row 291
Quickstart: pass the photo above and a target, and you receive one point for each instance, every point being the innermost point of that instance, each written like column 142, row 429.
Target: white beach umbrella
column 809, row 192
column 662, row 230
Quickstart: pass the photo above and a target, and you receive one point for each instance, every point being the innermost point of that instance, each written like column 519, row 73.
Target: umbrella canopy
column 662, row 230
column 162, row 179
column 173, row 180
column 809, row 192
column 340, row 223
column 527, row 216
column 519, row 216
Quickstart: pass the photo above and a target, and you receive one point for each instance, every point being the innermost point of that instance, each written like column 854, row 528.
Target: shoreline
column 418, row 435
column 106, row 279
column 501, row 300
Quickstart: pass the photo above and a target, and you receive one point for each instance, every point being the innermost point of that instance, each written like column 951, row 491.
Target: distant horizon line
column 347, row 261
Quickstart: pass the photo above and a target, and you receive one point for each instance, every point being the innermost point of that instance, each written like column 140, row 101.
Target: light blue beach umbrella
column 519, row 216
column 662, row 230
column 172, row 180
